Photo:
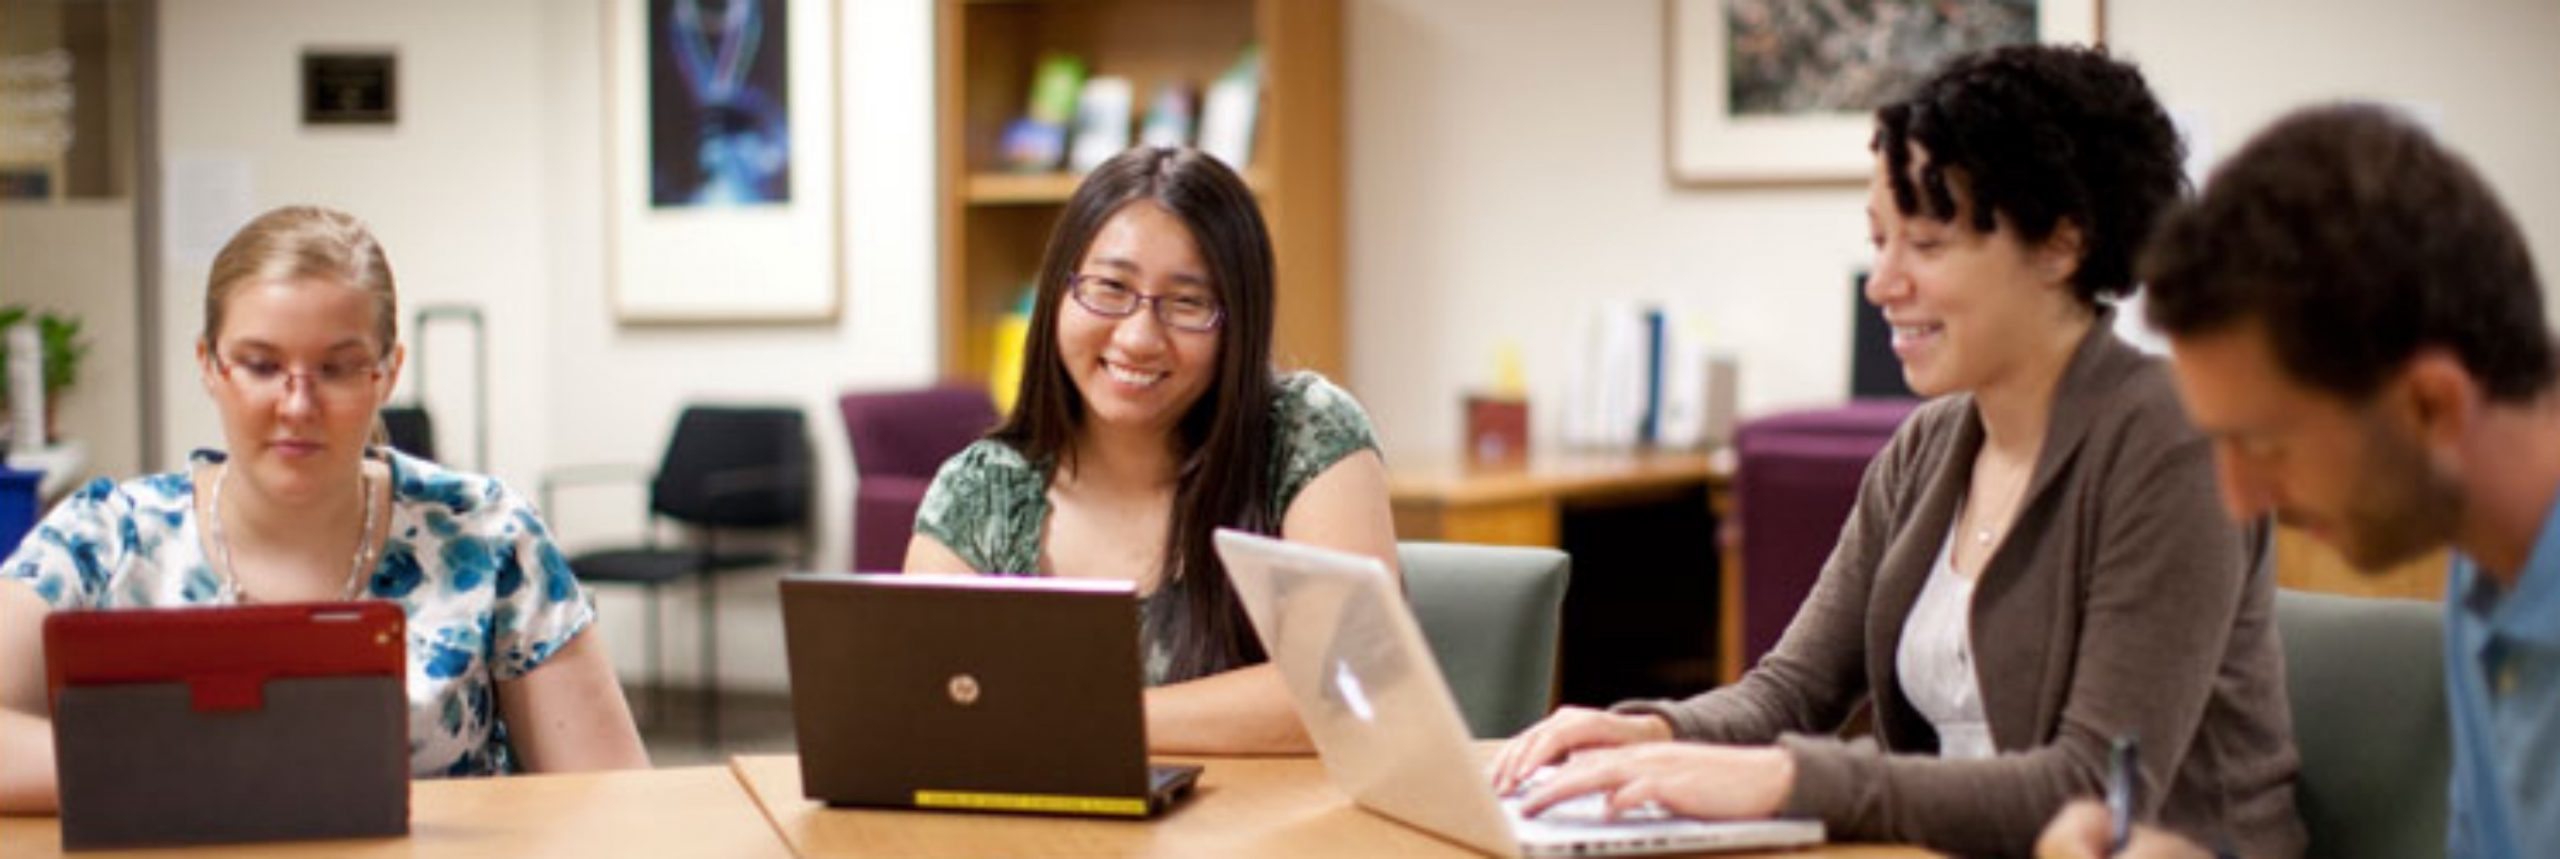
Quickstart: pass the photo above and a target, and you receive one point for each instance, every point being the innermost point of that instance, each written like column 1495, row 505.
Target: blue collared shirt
column 2502, row 679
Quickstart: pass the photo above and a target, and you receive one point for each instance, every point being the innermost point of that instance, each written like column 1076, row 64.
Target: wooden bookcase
column 994, row 224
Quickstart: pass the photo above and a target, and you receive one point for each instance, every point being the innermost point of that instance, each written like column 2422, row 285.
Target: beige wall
column 1505, row 169
column 453, row 191
column 489, row 192
column 612, row 392
column 77, row 257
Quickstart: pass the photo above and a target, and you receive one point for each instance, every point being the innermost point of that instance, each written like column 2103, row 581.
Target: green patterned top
column 989, row 505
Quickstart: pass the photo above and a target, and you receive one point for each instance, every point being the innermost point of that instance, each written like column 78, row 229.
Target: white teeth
column 1132, row 377
column 1913, row 331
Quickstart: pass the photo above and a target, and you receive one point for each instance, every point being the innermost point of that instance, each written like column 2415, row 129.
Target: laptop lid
column 1364, row 681
column 228, row 724
column 1389, row 731
column 984, row 693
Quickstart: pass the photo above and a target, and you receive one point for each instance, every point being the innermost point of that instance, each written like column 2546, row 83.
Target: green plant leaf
column 63, row 347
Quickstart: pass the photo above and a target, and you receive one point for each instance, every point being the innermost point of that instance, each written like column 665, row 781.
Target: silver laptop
column 1390, row 734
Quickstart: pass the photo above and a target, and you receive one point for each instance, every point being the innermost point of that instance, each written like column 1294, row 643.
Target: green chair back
column 1491, row 614
column 2366, row 680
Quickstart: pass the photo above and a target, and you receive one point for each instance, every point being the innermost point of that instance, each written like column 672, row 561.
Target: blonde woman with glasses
column 298, row 353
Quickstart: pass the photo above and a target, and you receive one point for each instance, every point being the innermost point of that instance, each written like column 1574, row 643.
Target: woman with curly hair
column 2035, row 566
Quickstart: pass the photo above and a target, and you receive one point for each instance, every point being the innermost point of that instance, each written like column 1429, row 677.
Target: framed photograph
column 350, row 87
column 722, row 161
column 30, row 181
column 1782, row 92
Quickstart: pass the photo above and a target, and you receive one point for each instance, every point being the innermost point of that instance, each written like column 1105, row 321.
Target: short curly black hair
column 2356, row 240
column 2039, row 135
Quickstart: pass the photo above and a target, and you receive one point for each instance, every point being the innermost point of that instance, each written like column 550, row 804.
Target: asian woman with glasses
column 1149, row 415
column 298, row 354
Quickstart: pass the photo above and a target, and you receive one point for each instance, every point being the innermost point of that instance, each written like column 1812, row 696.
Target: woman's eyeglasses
column 337, row 378
column 1107, row 297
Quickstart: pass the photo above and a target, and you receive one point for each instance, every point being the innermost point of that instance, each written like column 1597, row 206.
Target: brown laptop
column 246, row 723
column 972, row 693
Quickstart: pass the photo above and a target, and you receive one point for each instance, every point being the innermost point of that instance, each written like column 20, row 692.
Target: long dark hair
column 1223, row 444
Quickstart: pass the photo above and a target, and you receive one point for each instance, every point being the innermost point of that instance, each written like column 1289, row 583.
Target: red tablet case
column 229, row 724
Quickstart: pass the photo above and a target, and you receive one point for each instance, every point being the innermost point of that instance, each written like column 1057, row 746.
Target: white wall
column 489, row 192
column 1505, row 170
column 77, row 257
column 613, row 392
column 453, row 191
column 1504, row 162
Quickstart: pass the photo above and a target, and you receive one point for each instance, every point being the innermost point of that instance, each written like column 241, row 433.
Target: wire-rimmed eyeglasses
column 1106, row 296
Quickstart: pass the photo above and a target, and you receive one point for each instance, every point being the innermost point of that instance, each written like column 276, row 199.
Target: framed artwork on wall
column 350, row 87
column 722, row 166
column 1781, row 92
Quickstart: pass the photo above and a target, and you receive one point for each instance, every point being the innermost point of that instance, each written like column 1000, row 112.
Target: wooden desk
column 694, row 811
column 2304, row 563
column 1446, row 498
column 1243, row 807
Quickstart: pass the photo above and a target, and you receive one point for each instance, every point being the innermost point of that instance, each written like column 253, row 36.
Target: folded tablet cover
column 210, row 725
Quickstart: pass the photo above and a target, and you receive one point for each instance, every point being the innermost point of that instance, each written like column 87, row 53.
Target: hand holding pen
column 2099, row 830
column 2124, row 792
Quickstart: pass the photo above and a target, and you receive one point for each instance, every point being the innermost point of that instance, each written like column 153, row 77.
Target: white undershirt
column 1935, row 660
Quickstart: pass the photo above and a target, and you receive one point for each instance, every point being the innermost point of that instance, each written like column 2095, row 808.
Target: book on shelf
column 1169, row 116
column 1011, row 337
column 1227, row 112
column 1102, row 122
column 1038, row 141
column 1645, row 377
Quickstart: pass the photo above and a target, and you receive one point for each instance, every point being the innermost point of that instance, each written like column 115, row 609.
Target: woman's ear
column 204, row 365
column 391, row 365
column 2057, row 258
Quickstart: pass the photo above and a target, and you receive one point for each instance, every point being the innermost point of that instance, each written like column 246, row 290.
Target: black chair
column 411, row 430
column 726, row 470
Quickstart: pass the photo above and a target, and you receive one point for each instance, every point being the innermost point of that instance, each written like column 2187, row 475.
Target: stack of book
column 1075, row 122
column 1642, row 380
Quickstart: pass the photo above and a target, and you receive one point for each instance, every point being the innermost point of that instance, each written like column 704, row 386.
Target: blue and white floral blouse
column 486, row 594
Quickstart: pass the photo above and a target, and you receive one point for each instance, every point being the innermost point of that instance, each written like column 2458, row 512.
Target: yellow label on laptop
column 1043, row 803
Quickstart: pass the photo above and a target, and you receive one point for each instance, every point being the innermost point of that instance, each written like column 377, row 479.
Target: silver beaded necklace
column 233, row 592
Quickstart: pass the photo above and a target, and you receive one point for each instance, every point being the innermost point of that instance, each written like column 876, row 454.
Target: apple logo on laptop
column 1349, row 685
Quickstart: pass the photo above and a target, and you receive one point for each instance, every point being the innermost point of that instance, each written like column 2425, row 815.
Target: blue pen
column 2124, row 786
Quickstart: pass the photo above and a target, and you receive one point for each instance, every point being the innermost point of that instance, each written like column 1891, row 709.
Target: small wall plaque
column 350, row 87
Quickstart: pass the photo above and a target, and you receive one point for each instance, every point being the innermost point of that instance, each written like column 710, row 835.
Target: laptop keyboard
column 1587, row 809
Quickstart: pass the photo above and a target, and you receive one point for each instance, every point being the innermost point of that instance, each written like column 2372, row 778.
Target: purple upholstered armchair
column 899, row 439
column 1796, row 478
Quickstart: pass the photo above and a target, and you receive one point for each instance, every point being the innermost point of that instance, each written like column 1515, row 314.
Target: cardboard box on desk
column 1497, row 430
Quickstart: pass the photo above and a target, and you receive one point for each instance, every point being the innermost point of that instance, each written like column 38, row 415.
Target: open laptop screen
column 968, row 692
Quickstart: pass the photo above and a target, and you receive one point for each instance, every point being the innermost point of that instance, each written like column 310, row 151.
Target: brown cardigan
column 2122, row 601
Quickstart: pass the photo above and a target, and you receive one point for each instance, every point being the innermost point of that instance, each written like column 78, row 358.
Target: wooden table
column 1444, row 497
column 694, row 811
column 1447, row 498
column 2304, row 563
column 1244, row 807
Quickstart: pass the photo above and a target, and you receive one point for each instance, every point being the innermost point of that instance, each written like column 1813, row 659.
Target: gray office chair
column 2366, row 679
column 1491, row 614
